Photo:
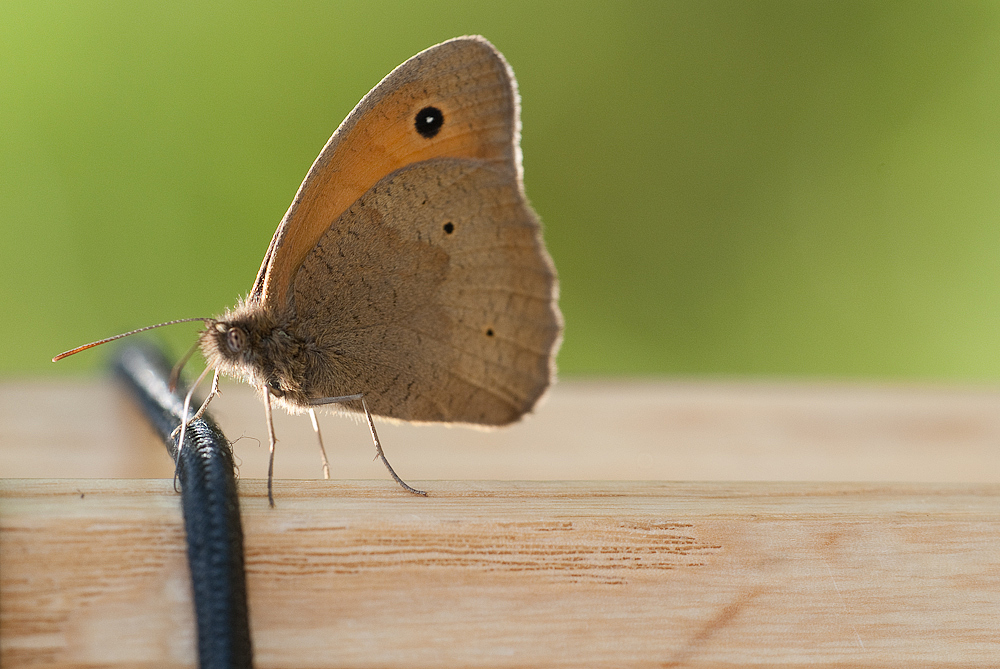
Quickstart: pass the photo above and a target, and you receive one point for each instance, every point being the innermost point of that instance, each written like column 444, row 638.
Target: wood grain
column 507, row 574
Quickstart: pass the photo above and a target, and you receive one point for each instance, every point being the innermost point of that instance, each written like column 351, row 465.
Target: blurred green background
column 760, row 188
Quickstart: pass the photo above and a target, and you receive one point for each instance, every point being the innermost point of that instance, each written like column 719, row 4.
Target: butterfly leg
column 182, row 428
column 322, row 451
column 175, row 373
column 201, row 410
column 271, row 441
column 380, row 454
column 371, row 426
column 211, row 395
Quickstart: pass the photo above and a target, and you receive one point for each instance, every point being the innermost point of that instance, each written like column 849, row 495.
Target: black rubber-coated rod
column 211, row 511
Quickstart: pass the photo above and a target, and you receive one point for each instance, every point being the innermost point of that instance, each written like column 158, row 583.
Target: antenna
column 124, row 334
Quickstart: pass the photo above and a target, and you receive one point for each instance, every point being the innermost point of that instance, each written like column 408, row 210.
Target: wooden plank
column 506, row 574
column 627, row 430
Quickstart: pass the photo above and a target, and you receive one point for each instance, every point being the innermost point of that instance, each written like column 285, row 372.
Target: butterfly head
column 247, row 344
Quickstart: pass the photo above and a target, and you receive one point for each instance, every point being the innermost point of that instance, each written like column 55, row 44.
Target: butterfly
column 409, row 278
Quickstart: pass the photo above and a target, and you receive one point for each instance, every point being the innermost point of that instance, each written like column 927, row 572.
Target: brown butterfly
column 409, row 278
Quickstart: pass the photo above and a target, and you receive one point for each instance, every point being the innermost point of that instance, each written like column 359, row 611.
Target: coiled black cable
column 211, row 511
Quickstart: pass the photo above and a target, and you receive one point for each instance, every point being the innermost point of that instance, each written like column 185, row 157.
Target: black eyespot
column 449, row 227
column 236, row 339
column 489, row 332
column 428, row 121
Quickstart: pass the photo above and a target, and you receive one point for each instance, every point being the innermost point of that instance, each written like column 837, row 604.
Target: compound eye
column 275, row 388
column 236, row 339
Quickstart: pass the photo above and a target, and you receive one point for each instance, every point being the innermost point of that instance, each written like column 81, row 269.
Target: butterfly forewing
column 469, row 85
